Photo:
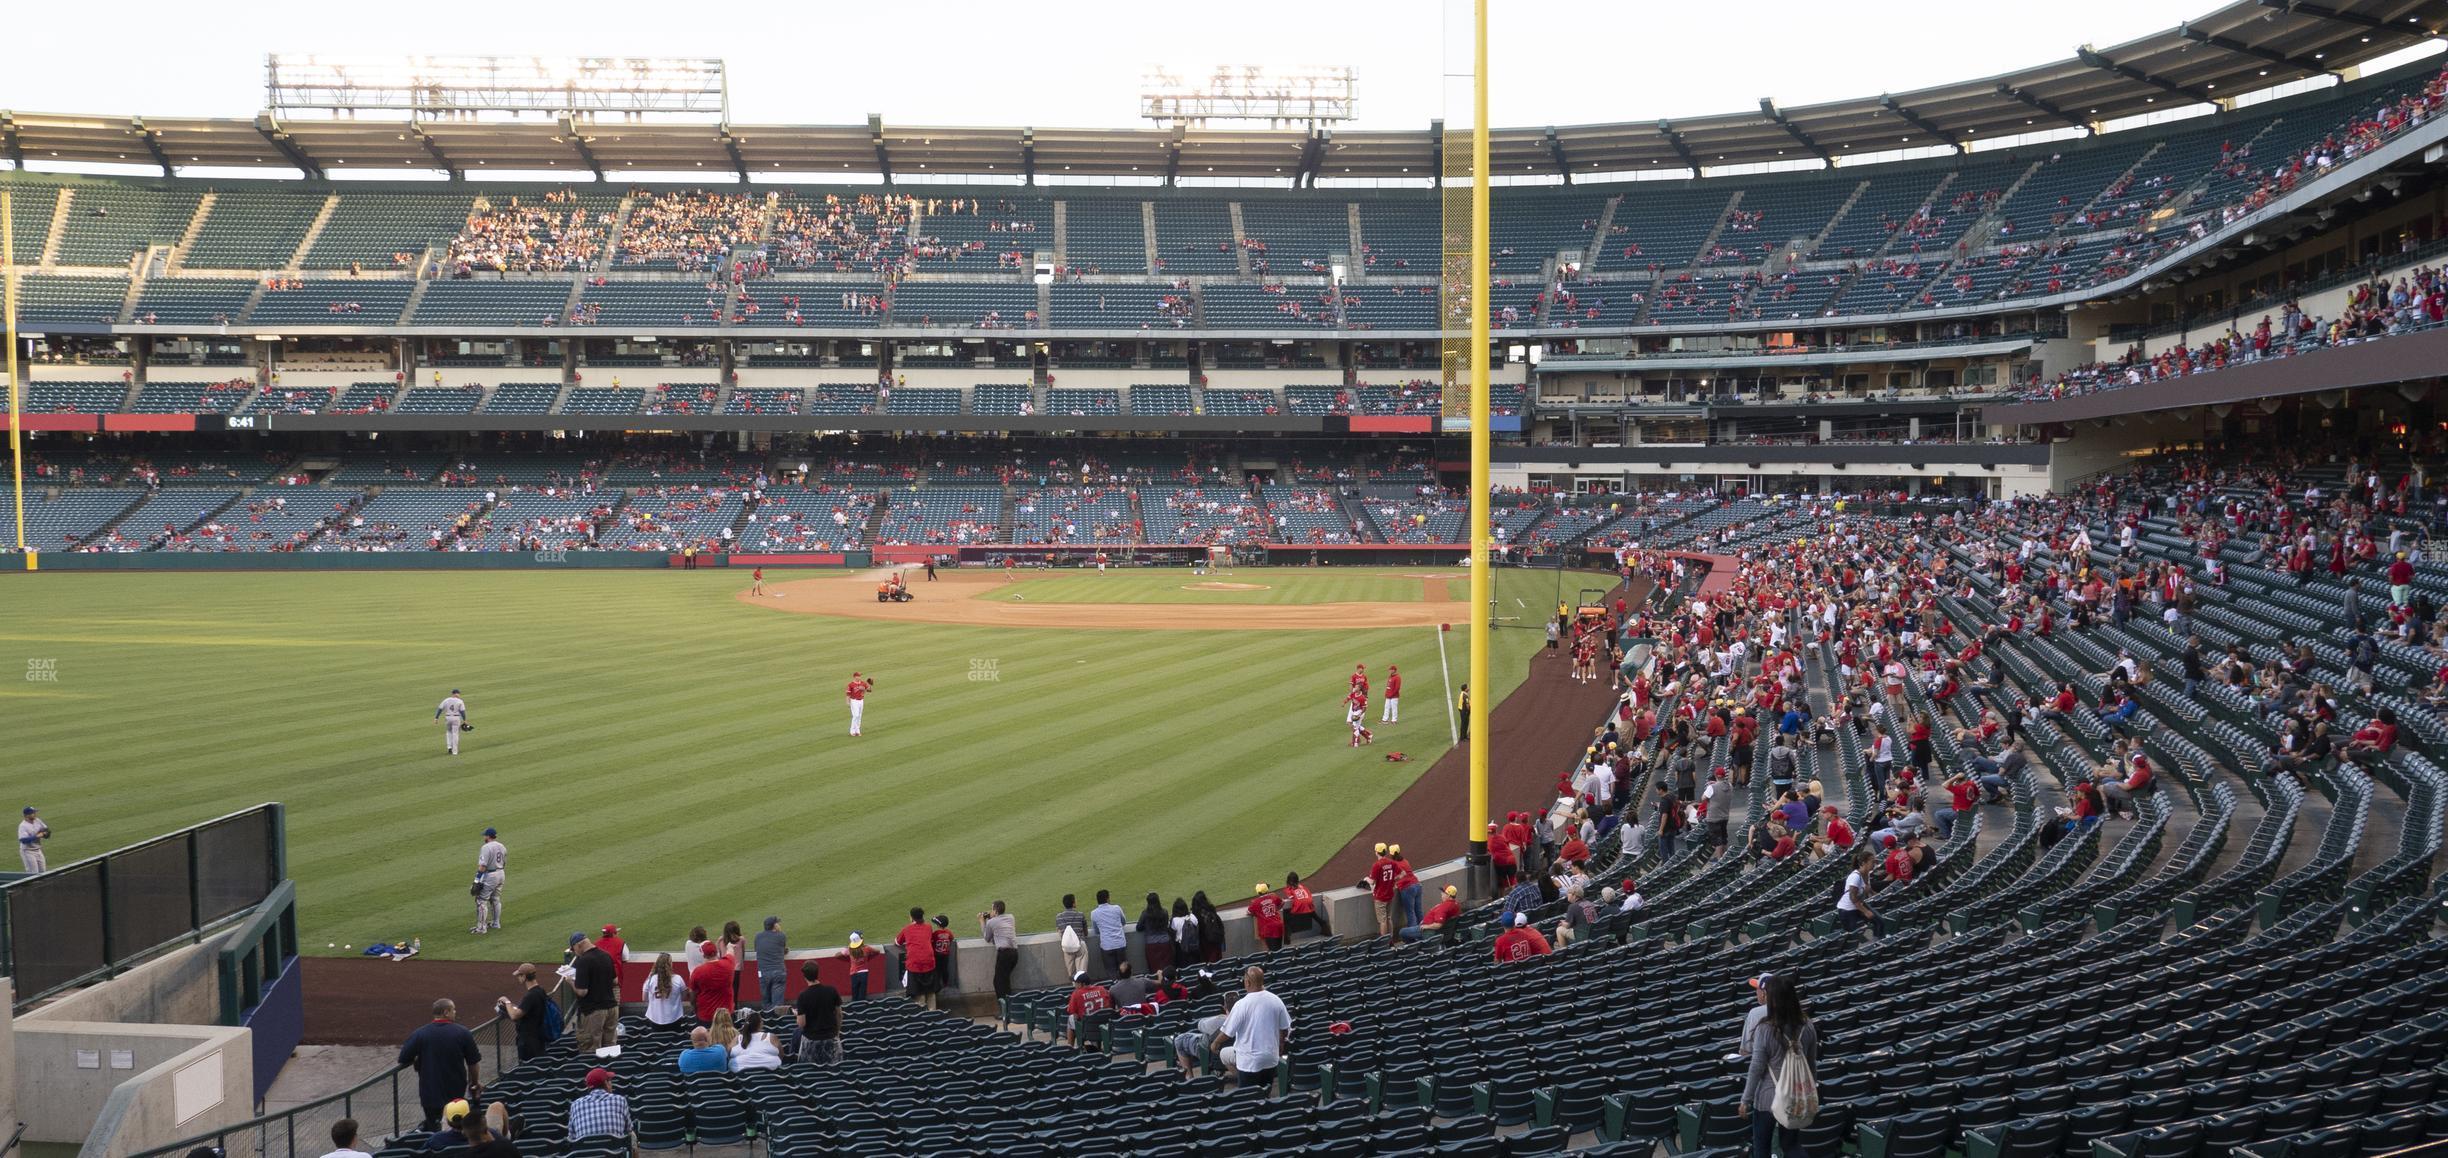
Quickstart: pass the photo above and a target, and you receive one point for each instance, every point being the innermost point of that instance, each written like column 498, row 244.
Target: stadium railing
column 99, row 916
column 384, row 1106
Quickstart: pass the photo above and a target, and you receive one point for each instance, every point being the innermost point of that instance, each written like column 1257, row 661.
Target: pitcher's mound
column 1224, row 586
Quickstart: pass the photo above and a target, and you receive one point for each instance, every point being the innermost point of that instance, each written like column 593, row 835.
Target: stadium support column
column 1483, row 586
column 16, row 388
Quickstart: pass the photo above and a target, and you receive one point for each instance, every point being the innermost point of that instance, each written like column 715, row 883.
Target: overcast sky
column 1078, row 63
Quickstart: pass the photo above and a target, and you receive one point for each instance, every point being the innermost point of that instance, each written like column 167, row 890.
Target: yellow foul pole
column 16, row 402
column 1482, row 583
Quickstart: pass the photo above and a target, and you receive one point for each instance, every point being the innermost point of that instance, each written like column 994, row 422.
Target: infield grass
column 659, row 754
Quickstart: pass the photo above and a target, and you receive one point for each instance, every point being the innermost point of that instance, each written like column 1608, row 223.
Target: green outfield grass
column 1280, row 585
column 659, row 754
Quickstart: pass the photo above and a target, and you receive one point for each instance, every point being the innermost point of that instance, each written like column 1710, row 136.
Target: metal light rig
column 468, row 87
column 1299, row 97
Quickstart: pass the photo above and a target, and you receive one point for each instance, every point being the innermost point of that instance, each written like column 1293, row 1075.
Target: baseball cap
column 598, row 1078
column 1263, row 889
column 454, row 1110
column 709, row 948
column 857, row 940
column 1080, row 978
column 1381, row 845
column 491, row 832
column 1520, row 919
column 29, row 811
column 1452, row 891
column 770, row 922
column 1761, row 981
column 610, row 930
column 454, row 691
column 576, row 937
column 1393, row 850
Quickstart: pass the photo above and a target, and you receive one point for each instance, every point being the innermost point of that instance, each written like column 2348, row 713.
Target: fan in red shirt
column 917, row 942
column 1899, row 863
column 1383, row 876
column 1267, row 917
column 1839, row 833
column 1088, row 998
column 614, row 948
column 711, row 982
column 1521, row 942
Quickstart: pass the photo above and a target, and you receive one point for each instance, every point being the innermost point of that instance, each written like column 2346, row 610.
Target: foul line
column 1452, row 729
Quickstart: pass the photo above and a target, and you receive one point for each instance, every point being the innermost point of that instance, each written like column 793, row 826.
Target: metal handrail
column 276, row 1135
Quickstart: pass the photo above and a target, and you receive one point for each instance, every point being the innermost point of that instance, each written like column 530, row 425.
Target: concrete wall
column 804, row 376
column 1348, row 911
column 2097, row 446
column 1267, row 379
column 118, row 1089
column 8, row 1052
column 340, row 379
column 178, row 988
column 56, row 372
column 942, row 376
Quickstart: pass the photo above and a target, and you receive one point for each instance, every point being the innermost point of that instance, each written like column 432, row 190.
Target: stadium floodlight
column 1304, row 96
column 632, row 88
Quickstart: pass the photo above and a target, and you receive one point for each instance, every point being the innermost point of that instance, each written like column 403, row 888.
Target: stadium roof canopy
column 2248, row 45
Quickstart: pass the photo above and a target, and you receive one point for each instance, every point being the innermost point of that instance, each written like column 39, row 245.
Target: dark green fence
column 96, row 917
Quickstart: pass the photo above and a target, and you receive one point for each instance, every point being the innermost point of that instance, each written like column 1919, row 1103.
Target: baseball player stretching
column 453, row 714
column 856, row 693
column 1393, row 697
column 1355, row 713
column 31, row 833
column 490, row 859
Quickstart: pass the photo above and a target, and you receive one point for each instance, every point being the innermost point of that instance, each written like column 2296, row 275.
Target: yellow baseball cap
column 1263, row 889
column 454, row 1110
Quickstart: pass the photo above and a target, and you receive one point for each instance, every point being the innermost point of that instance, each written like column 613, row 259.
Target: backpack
column 1071, row 940
column 1797, row 1090
column 552, row 1020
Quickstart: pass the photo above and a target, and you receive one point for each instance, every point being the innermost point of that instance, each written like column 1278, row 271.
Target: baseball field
column 660, row 749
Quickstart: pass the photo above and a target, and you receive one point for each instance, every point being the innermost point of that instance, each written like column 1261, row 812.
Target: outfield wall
column 421, row 561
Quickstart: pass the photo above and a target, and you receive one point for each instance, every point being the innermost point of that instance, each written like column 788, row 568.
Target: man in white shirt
column 1258, row 1029
column 31, row 832
column 344, row 1140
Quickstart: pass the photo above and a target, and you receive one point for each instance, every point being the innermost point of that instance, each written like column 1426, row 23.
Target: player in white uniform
column 490, row 861
column 31, row 832
column 453, row 714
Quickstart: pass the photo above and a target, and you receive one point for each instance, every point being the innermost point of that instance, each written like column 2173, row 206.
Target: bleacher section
column 404, row 519
column 162, row 514
column 1074, row 515
column 924, row 400
column 997, row 398
column 387, row 229
column 58, row 522
column 344, row 302
column 1072, row 401
column 946, row 515
column 439, row 400
column 110, row 222
column 169, row 397
column 1303, row 514
column 523, row 398
column 192, row 302
column 967, row 305
column 1118, row 307
column 819, row 518
column 257, row 230
column 273, row 519
column 73, row 397
column 672, row 521
column 511, row 301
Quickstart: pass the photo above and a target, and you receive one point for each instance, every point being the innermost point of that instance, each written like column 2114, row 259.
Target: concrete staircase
column 59, row 228
column 1147, row 225
column 416, row 297
column 314, row 233
column 1062, row 234
column 1820, row 238
column 1700, row 255
column 612, row 240
column 195, row 226
column 1985, row 228
column 1936, row 191
column 1241, row 258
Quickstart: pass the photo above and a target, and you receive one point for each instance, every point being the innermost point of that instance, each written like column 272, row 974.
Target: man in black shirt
column 527, row 1012
column 598, row 988
column 818, row 1010
column 445, row 1056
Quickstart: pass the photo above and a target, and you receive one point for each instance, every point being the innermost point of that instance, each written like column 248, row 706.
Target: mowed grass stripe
column 663, row 755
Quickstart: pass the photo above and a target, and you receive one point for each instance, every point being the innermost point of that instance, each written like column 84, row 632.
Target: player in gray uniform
column 31, row 833
column 490, row 860
column 453, row 714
